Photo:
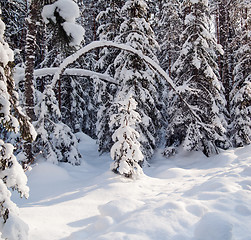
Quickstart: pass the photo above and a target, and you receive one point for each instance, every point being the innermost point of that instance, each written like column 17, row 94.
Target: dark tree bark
column 29, row 70
column 225, row 36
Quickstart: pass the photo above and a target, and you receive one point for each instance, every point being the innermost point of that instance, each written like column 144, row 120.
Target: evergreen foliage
column 126, row 150
column 240, row 96
column 109, row 21
column 169, row 26
column 136, row 77
column 11, row 173
column 212, row 87
column 56, row 140
column 196, row 77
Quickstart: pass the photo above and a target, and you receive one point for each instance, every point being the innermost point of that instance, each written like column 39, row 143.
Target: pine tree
column 138, row 78
column 61, row 42
column 32, row 19
column 109, row 20
column 126, row 150
column 196, row 76
column 11, row 173
column 240, row 96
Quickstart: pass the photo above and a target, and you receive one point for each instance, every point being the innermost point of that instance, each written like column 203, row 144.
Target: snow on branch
column 42, row 72
column 101, row 44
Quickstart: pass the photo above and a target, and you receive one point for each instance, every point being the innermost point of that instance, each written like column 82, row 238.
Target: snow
column 97, row 44
column 15, row 228
column 215, row 225
column 69, row 11
column 75, row 31
column 6, row 54
column 185, row 197
column 19, row 73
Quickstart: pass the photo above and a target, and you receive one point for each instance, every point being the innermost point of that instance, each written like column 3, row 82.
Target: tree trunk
column 29, row 70
column 224, row 38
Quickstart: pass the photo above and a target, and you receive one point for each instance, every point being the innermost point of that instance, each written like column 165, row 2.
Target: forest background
column 134, row 75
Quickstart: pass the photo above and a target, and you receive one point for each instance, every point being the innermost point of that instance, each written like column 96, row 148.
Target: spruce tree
column 109, row 21
column 138, row 78
column 126, row 151
column 168, row 28
column 196, row 77
column 56, row 140
column 11, row 173
column 14, row 14
column 240, row 96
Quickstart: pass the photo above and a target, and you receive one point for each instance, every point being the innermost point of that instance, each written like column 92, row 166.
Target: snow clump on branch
column 68, row 11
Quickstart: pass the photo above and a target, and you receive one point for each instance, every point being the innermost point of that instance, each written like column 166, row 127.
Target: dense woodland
column 135, row 75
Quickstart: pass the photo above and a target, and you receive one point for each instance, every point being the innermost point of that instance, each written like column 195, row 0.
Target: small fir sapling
column 126, row 151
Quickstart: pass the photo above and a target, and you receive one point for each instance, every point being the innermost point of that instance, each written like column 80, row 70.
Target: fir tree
column 240, row 96
column 11, row 173
column 56, row 140
column 196, row 77
column 109, row 21
column 136, row 77
column 169, row 26
column 126, row 150
column 14, row 14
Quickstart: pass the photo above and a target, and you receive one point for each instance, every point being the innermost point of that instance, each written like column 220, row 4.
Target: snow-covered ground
column 187, row 197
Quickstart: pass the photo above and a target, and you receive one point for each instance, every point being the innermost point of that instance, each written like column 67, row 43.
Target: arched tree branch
column 101, row 44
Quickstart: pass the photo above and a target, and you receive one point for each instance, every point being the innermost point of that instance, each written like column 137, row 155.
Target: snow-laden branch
column 101, row 44
column 42, row 72
column 74, row 72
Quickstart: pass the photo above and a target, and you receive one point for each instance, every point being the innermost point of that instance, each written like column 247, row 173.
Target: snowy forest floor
column 186, row 197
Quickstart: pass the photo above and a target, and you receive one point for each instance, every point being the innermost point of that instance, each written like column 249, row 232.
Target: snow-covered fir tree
column 226, row 35
column 63, row 33
column 11, row 173
column 137, row 77
column 168, row 28
column 56, row 140
column 126, row 151
column 196, row 76
column 240, row 96
column 14, row 14
column 109, row 21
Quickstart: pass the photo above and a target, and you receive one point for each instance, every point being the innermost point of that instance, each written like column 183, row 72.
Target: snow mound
column 103, row 223
column 15, row 228
column 243, row 210
column 246, row 171
column 50, row 173
column 119, row 208
column 197, row 210
column 213, row 226
column 186, row 197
